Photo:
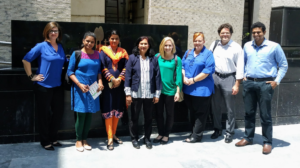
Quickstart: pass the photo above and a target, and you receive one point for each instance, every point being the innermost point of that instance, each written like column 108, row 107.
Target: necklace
column 114, row 52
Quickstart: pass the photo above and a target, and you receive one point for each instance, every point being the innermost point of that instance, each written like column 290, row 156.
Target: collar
column 264, row 43
column 147, row 58
column 228, row 44
column 192, row 52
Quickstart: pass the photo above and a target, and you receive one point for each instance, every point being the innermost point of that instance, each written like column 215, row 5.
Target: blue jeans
column 260, row 93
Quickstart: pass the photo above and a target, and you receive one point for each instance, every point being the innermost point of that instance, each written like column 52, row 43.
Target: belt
column 260, row 79
column 224, row 75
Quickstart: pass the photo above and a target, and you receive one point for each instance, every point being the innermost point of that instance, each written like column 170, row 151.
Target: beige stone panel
column 199, row 15
column 90, row 19
column 88, row 7
column 262, row 12
column 291, row 3
column 5, row 51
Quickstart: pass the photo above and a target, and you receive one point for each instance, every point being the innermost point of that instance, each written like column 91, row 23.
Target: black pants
column 261, row 93
column 168, row 102
column 50, row 108
column 136, row 107
column 199, row 108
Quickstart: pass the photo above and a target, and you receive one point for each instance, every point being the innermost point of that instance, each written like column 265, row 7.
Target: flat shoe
column 79, row 149
column 157, row 140
column 87, row 147
column 164, row 142
column 49, row 148
column 56, row 144
column 135, row 144
column 192, row 140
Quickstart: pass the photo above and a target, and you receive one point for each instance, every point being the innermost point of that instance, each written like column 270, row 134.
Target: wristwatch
column 30, row 76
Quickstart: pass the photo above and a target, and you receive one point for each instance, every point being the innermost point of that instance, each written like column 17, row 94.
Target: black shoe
column 228, row 138
column 49, row 148
column 56, row 144
column 148, row 143
column 193, row 140
column 135, row 144
column 157, row 140
column 216, row 134
column 164, row 142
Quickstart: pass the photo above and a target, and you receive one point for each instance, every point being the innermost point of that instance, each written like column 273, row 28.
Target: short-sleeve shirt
column 50, row 63
column 204, row 62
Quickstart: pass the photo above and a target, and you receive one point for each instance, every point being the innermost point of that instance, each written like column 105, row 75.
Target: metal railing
column 5, row 42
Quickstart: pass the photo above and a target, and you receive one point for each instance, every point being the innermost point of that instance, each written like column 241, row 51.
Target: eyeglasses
column 53, row 31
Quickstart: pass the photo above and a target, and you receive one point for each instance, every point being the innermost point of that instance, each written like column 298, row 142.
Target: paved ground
column 177, row 154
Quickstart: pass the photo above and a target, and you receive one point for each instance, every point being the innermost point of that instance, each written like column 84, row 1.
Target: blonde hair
column 162, row 45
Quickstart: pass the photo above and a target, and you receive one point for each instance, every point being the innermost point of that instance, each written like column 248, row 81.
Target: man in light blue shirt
column 262, row 59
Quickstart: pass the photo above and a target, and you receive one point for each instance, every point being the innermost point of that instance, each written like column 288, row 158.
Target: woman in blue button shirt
column 198, row 65
column 47, row 83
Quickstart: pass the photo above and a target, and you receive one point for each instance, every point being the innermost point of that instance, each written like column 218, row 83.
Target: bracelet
column 194, row 80
column 31, row 76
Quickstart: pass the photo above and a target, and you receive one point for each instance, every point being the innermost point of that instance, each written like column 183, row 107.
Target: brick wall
column 43, row 10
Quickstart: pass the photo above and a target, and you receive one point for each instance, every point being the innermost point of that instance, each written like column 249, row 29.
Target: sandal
column 110, row 147
column 118, row 141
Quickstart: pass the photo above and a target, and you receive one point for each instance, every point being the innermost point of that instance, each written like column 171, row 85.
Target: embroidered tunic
column 113, row 66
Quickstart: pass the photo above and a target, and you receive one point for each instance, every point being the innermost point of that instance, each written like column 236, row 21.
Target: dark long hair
column 150, row 52
column 88, row 34
column 112, row 32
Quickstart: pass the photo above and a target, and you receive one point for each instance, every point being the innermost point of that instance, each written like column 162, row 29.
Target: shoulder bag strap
column 188, row 53
column 216, row 43
column 174, row 75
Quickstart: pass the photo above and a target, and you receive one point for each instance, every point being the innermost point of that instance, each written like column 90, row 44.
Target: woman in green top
column 171, row 89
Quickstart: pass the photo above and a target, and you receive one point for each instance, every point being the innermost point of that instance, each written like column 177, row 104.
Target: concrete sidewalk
column 176, row 154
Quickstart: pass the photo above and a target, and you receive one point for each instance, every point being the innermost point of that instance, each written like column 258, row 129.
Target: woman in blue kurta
column 47, row 83
column 88, row 72
column 198, row 65
column 113, row 61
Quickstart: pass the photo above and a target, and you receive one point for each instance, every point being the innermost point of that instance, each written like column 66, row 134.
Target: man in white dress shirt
column 229, row 71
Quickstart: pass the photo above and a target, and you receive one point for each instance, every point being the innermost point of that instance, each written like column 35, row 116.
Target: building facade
column 199, row 15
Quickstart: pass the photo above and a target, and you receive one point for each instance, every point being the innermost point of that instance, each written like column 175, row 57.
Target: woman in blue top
column 47, row 83
column 88, row 72
column 198, row 65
